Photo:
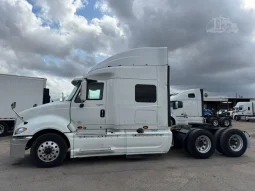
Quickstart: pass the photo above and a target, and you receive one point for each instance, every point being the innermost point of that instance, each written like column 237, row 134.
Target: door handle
column 102, row 113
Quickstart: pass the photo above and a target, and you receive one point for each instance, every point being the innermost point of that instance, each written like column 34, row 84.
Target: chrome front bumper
column 18, row 145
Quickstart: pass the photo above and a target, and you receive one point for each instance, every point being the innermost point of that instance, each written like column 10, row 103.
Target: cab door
column 91, row 113
column 93, row 137
column 179, row 113
column 89, row 119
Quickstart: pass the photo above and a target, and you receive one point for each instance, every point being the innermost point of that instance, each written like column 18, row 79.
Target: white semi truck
column 244, row 111
column 26, row 91
column 120, row 107
column 187, row 108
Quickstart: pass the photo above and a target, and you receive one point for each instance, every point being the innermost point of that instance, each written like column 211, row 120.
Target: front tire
column 233, row 143
column 48, row 150
column 201, row 144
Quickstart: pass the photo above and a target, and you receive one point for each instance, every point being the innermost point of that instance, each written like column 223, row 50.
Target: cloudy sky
column 61, row 39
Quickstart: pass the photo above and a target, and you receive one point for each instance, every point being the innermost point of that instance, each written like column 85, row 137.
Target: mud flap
column 248, row 137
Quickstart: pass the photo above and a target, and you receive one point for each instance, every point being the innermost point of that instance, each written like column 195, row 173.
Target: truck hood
column 46, row 109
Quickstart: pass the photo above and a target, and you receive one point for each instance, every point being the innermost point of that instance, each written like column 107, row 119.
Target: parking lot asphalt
column 173, row 171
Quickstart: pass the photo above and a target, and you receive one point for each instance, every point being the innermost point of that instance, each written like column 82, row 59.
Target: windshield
column 70, row 97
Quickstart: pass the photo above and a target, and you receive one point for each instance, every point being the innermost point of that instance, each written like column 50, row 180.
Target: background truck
column 187, row 108
column 120, row 107
column 26, row 91
column 244, row 111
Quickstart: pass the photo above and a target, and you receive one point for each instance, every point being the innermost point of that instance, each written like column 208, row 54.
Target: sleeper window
column 145, row 93
column 192, row 95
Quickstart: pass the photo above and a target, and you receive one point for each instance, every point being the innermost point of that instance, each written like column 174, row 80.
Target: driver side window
column 240, row 108
column 94, row 92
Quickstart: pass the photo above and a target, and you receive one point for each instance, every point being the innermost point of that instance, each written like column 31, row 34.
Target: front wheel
column 48, row 150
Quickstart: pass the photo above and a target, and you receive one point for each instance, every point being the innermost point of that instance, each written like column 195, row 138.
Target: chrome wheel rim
column 48, row 151
column 226, row 123
column 215, row 123
column 236, row 143
column 1, row 129
column 203, row 144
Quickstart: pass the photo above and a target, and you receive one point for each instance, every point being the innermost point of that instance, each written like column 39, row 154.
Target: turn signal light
column 79, row 127
column 145, row 127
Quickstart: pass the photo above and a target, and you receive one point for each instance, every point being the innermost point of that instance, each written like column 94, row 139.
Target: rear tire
column 3, row 129
column 185, row 146
column 215, row 122
column 233, row 143
column 49, row 150
column 226, row 122
column 217, row 136
column 220, row 121
column 201, row 144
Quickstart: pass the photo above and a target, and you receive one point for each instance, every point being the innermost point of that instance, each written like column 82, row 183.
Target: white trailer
column 120, row 107
column 244, row 111
column 26, row 91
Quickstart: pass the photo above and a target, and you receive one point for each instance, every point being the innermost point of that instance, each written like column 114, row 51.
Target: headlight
column 20, row 130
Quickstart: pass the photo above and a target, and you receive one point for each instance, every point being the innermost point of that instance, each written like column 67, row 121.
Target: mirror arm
column 25, row 122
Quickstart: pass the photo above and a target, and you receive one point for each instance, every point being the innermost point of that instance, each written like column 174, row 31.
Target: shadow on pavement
column 28, row 163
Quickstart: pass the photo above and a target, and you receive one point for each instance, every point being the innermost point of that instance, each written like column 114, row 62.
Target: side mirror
column 35, row 105
column 83, row 90
column 13, row 105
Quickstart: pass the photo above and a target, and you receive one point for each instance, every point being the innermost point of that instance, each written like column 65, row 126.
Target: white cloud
column 55, row 31
column 58, row 44
column 249, row 4
column 102, row 6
